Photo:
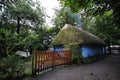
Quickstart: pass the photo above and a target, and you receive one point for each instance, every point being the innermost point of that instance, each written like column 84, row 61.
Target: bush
column 76, row 53
column 11, row 67
column 92, row 58
column 77, row 58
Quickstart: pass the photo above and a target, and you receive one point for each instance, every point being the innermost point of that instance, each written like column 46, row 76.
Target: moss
column 72, row 34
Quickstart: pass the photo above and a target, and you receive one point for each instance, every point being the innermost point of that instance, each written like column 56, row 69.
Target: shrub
column 76, row 53
column 92, row 58
column 11, row 67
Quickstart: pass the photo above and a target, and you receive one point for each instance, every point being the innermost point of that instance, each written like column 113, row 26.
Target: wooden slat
column 50, row 59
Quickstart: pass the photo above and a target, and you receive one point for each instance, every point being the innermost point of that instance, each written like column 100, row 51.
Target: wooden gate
column 44, row 60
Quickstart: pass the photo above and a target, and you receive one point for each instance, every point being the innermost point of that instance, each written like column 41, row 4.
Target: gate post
column 53, row 59
column 33, row 62
column 70, row 56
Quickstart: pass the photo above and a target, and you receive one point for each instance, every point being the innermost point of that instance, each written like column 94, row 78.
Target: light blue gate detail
column 58, row 47
column 88, row 50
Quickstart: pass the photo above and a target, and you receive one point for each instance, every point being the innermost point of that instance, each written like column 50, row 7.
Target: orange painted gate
column 44, row 60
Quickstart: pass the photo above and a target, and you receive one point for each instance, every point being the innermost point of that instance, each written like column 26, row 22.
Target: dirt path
column 106, row 69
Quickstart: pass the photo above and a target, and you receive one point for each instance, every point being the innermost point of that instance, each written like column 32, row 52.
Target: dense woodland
column 22, row 26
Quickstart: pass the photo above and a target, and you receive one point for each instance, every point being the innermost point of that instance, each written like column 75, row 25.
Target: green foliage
column 76, row 5
column 45, row 35
column 63, row 17
column 87, row 60
column 102, row 17
column 91, row 59
column 102, row 26
column 21, row 24
column 107, row 28
column 21, row 13
column 9, row 41
column 96, row 7
column 28, row 78
column 19, row 21
column 11, row 67
column 76, row 52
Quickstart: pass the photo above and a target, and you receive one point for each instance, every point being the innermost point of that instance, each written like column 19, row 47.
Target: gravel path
column 105, row 69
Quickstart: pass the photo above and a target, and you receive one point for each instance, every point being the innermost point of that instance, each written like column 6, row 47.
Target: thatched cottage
column 88, row 43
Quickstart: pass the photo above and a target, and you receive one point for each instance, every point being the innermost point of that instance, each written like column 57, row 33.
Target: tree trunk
column 18, row 24
column 109, row 48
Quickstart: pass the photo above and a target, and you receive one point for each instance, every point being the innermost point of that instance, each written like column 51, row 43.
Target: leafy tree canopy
column 21, row 12
column 95, row 7
column 65, row 16
column 19, row 20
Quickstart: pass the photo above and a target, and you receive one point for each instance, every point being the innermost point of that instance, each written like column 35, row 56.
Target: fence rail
column 44, row 60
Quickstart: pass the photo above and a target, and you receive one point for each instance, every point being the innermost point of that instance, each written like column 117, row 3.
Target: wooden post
column 70, row 56
column 33, row 62
column 53, row 59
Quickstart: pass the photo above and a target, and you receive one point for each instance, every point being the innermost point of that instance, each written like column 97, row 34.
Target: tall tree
column 18, row 22
column 65, row 16
column 102, row 26
column 95, row 7
column 62, row 18
column 22, row 12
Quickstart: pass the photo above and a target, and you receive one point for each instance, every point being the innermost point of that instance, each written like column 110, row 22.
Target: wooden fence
column 44, row 60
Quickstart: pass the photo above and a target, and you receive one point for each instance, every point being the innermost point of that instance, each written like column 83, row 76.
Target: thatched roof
column 72, row 34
